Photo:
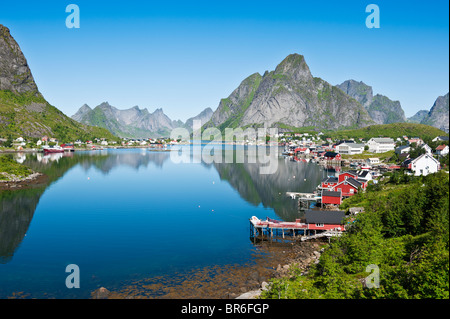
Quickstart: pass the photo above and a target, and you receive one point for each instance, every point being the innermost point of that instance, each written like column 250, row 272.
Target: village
column 352, row 167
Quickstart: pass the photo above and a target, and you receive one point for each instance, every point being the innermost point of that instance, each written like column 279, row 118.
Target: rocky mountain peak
column 15, row 74
column 381, row 109
column 104, row 105
column 360, row 91
column 439, row 114
column 294, row 65
column 289, row 96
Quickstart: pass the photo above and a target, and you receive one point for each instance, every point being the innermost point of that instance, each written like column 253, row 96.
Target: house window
column 352, row 191
column 319, row 225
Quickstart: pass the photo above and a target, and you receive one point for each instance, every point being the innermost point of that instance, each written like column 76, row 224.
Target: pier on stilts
column 271, row 229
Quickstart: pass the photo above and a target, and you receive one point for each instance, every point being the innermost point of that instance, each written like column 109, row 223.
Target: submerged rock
column 101, row 293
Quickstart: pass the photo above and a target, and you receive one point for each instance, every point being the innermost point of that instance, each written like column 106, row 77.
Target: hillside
column 395, row 130
column 23, row 110
column 404, row 231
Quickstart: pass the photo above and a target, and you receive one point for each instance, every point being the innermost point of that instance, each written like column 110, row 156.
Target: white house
column 373, row 161
column 440, row 138
column 381, row 144
column 404, row 149
column 427, row 148
column 416, row 140
column 350, row 148
column 104, row 143
column 423, row 165
column 442, row 150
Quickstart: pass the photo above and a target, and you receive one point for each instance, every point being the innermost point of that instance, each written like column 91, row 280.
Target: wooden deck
column 271, row 229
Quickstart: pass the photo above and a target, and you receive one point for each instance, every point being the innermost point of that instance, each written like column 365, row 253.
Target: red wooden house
column 348, row 187
column 331, row 197
column 343, row 176
column 324, row 220
column 329, row 182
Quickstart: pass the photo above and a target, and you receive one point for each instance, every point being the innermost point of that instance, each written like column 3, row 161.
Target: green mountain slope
column 394, row 130
column 23, row 110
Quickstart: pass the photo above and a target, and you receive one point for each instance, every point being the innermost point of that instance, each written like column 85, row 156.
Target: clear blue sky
column 184, row 56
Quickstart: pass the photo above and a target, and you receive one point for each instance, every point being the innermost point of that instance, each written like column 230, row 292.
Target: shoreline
column 34, row 179
column 273, row 260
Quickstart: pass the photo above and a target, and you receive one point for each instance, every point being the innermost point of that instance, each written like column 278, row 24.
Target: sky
column 184, row 56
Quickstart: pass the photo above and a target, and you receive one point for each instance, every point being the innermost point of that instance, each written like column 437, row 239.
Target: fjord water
column 123, row 215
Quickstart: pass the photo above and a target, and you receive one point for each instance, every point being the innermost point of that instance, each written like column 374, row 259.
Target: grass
column 366, row 155
column 29, row 115
column 10, row 169
column 394, row 131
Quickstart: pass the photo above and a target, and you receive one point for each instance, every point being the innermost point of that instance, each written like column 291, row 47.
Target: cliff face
column 289, row 96
column 204, row 116
column 439, row 114
column 15, row 75
column 381, row 109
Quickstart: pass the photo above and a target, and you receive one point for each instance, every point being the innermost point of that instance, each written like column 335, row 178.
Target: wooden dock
column 272, row 229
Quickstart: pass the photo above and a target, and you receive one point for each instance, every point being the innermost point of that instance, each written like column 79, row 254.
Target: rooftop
column 324, row 216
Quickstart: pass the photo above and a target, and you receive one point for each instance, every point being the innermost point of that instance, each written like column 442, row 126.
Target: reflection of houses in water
column 52, row 157
column 20, row 157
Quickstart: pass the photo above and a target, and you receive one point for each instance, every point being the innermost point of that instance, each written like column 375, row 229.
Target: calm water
column 122, row 215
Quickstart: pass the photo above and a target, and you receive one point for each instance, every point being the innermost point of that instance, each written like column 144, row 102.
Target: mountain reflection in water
column 135, row 170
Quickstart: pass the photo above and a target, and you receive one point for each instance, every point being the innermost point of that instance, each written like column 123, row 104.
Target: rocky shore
column 273, row 260
column 20, row 183
column 302, row 257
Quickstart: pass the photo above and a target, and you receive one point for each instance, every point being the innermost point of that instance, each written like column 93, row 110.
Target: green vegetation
column 29, row 115
column 427, row 133
column 10, row 169
column 365, row 155
column 233, row 121
column 404, row 231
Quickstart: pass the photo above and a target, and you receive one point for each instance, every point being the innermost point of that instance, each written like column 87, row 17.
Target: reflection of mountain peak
column 270, row 189
column 108, row 162
column 16, row 212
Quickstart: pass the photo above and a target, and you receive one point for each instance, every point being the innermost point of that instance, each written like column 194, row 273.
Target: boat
column 53, row 149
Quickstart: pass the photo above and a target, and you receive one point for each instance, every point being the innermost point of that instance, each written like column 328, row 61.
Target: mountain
column 203, row 117
column 289, row 97
column 23, row 109
column 439, row 114
column 380, row 108
column 133, row 122
column 418, row 117
column 81, row 113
